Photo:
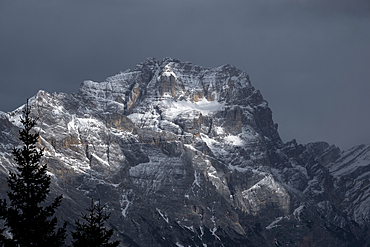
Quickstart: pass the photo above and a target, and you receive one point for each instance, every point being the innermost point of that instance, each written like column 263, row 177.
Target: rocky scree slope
column 189, row 156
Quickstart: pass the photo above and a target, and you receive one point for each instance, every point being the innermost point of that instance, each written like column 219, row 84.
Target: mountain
column 183, row 155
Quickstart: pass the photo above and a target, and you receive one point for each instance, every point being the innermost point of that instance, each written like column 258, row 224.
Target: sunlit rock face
column 183, row 155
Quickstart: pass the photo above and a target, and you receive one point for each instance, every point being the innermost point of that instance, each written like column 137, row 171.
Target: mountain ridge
column 184, row 155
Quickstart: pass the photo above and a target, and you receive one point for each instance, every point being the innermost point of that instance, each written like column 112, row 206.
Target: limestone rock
column 183, row 155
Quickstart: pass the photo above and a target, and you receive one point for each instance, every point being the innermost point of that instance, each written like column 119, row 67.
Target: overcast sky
column 309, row 58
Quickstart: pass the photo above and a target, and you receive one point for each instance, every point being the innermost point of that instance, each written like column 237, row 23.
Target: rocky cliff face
column 190, row 156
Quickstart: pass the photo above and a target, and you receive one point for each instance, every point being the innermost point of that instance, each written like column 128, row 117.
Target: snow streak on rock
column 189, row 156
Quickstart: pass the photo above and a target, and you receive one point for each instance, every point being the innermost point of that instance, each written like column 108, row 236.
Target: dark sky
column 309, row 58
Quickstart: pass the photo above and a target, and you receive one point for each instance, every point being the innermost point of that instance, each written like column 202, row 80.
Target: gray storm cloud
column 310, row 59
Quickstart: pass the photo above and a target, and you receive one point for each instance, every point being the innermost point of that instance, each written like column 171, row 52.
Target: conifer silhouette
column 27, row 218
column 93, row 233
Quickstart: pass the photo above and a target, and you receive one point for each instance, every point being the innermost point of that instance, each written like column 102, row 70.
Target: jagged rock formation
column 190, row 156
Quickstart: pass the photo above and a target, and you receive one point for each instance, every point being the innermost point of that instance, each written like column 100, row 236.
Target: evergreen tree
column 27, row 218
column 93, row 233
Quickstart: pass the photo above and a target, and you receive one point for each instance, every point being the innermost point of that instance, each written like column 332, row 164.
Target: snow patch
column 298, row 211
column 162, row 215
column 219, row 130
column 100, row 160
column 125, row 204
column 234, row 140
column 167, row 71
column 214, row 229
column 351, row 160
column 274, row 223
column 215, row 146
column 174, row 108
column 196, row 179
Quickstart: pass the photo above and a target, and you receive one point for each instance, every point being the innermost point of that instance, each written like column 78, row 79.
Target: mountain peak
column 184, row 155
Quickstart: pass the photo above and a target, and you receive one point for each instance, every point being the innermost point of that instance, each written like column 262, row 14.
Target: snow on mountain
column 351, row 172
column 189, row 156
